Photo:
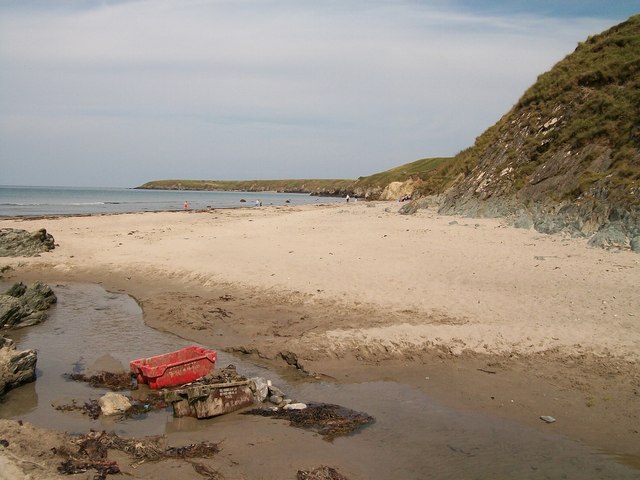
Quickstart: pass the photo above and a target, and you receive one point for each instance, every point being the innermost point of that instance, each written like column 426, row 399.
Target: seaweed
column 112, row 381
column 91, row 452
column 328, row 420
column 90, row 408
column 222, row 375
column 320, row 473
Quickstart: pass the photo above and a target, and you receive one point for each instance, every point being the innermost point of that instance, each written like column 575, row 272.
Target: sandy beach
column 484, row 317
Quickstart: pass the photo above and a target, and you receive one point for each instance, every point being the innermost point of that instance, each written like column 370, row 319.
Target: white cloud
column 259, row 89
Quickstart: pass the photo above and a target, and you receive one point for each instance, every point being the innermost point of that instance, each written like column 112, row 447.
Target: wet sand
column 482, row 317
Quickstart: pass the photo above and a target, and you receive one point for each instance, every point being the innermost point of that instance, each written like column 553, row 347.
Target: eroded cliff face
column 567, row 156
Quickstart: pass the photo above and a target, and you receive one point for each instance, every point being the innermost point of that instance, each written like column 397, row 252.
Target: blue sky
column 116, row 93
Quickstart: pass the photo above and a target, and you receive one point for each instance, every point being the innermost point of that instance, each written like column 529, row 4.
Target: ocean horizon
column 18, row 201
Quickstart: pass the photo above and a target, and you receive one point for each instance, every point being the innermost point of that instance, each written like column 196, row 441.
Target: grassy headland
column 370, row 186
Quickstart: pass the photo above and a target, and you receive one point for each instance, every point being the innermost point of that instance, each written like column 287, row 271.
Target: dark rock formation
column 413, row 206
column 20, row 243
column 22, row 306
column 566, row 158
column 16, row 368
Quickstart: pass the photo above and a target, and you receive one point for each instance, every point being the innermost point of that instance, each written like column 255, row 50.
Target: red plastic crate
column 175, row 368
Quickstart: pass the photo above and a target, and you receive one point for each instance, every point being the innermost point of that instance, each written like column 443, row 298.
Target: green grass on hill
column 594, row 93
column 288, row 186
column 420, row 168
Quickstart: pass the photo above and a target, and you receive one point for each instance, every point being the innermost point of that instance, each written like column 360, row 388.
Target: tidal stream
column 413, row 437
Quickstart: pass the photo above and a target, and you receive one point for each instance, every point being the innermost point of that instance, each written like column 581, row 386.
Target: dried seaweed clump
column 90, row 408
column 90, row 451
column 112, row 381
column 320, row 473
column 328, row 420
column 222, row 375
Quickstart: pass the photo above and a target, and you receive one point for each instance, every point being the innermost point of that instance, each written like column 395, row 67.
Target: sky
column 120, row 92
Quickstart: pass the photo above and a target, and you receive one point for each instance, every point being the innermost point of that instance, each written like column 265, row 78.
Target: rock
column 547, row 418
column 38, row 296
column 413, row 206
column 16, row 290
column 610, row 236
column 409, row 208
column 23, row 306
column 33, row 319
column 292, row 359
column 275, row 399
column 395, row 190
column 114, row 403
column 635, row 244
column 295, row 406
column 273, row 390
column 20, row 243
column 523, row 221
column 260, row 388
column 16, row 367
column 11, row 311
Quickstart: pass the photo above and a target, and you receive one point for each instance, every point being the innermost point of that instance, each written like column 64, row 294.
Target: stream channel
column 413, row 437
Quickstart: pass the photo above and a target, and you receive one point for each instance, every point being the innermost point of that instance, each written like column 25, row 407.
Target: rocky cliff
column 567, row 155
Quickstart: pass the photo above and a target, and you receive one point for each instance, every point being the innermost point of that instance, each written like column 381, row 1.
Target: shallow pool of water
column 86, row 324
column 413, row 437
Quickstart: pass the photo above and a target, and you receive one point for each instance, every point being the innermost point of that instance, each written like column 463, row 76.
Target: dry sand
column 505, row 321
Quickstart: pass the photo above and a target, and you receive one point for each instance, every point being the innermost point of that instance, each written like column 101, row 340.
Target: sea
column 16, row 201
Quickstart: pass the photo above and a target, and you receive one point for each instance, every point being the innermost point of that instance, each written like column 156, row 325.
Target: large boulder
column 15, row 242
column 16, row 367
column 22, row 306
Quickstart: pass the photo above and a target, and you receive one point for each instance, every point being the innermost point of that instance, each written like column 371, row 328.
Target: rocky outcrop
column 20, row 243
column 22, row 306
column 413, row 206
column 567, row 156
column 16, row 367
column 396, row 190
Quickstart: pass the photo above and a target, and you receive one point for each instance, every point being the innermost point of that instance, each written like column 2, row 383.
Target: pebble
column 547, row 418
column 295, row 406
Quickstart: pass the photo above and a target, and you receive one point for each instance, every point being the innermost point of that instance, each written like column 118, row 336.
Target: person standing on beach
column 347, row 198
column 186, row 205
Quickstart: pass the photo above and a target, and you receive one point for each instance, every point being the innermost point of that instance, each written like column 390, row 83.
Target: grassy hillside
column 369, row 186
column 574, row 135
column 420, row 169
column 317, row 186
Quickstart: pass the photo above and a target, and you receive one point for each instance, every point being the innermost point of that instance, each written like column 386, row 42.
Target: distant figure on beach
column 347, row 198
column 186, row 205
column 258, row 203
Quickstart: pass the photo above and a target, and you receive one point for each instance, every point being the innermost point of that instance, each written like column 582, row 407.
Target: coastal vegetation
column 368, row 186
column 573, row 135
column 313, row 186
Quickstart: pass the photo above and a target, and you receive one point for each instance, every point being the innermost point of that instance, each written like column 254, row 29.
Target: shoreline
column 337, row 299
